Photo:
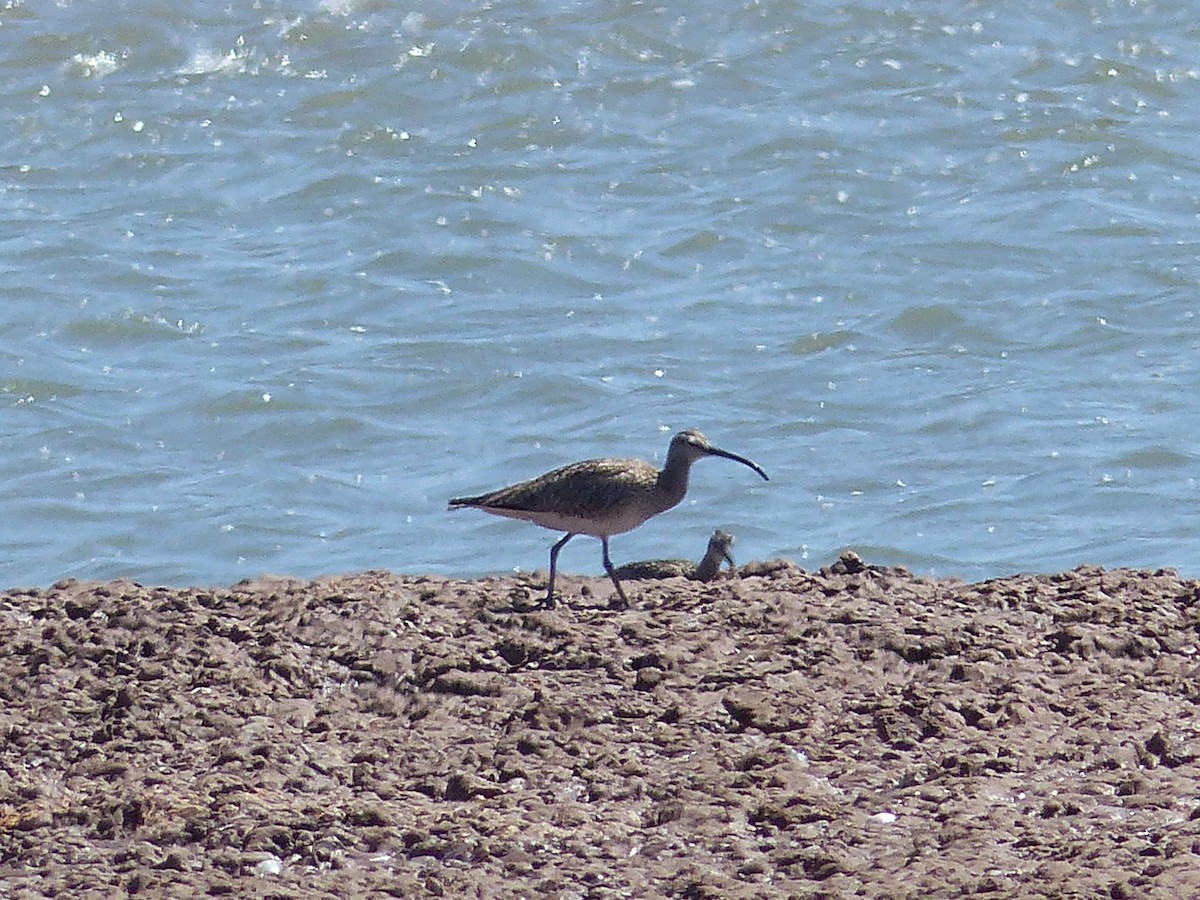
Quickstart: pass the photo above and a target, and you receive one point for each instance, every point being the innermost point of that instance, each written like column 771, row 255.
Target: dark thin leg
column 549, row 601
column 612, row 573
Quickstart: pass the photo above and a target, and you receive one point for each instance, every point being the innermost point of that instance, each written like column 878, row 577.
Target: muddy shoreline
column 857, row 731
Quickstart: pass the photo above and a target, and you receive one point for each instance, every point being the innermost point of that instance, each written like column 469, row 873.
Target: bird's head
column 691, row 445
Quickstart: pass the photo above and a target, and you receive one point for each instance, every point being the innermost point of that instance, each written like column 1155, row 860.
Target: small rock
column 648, row 678
column 271, row 865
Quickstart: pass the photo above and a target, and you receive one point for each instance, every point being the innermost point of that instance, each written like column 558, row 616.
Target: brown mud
column 853, row 732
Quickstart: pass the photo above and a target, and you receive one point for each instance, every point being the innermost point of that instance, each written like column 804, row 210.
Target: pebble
column 271, row 865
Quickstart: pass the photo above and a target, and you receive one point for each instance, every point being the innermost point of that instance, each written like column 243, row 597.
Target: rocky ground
column 853, row 732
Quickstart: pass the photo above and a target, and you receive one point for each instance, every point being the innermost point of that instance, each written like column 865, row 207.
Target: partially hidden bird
column 719, row 550
column 601, row 497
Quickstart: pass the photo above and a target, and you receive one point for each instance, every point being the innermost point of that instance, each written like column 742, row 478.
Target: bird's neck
column 710, row 565
column 673, row 480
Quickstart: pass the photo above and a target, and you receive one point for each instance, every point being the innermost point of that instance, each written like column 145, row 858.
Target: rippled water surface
column 279, row 279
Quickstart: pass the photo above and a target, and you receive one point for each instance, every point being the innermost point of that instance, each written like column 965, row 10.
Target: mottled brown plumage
column 601, row 497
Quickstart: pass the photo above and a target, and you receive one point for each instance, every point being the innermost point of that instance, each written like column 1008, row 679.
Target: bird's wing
column 595, row 485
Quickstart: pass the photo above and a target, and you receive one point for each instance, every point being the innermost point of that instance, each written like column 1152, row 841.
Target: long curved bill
column 716, row 451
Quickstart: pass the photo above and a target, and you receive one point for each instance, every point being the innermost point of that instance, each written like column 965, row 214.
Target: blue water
column 279, row 279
